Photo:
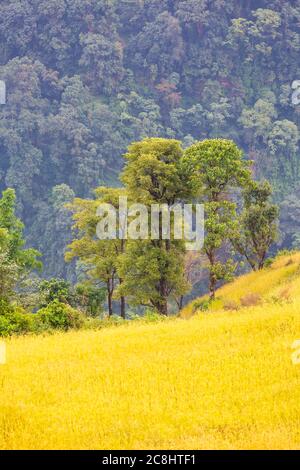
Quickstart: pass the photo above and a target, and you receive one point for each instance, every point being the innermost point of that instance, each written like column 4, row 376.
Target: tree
column 26, row 259
column 15, row 261
column 52, row 229
column 118, row 246
column 154, row 174
column 193, row 272
column 55, row 289
column 283, row 146
column 90, row 298
column 152, row 273
column 160, row 43
column 99, row 256
column 219, row 222
column 102, row 60
column 258, row 223
column 9, row 270
column 216, row 169
column 289, row 220
column 193, row 15
column 153, row 269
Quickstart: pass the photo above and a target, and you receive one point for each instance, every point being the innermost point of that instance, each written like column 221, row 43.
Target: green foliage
column 26, row 259
column 90, row 298
column 58, row 315
column 257, row 228
column 153, row 173
column 216, row 168
column 289, row 220
column 151, row 316
column 202, row 306
column 13, row 320
column 216, row 165
column 100, row 257
column 87, row 77
column 15, row 260
column 53, row 228
column 152, row 271
column 55, row 289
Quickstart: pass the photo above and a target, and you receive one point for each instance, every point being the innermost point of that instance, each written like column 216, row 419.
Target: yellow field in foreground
column 223, row 380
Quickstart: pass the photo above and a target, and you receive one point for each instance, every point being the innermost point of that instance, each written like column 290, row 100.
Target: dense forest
column 85, row 78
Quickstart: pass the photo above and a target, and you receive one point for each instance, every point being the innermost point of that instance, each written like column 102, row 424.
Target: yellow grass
column 220, row 380
column 283, row 277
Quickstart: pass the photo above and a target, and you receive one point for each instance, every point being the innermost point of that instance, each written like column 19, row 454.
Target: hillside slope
column 278, row 284
column 222, row 380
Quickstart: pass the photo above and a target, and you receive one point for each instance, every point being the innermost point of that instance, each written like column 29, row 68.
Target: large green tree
column 217, row 169
column 153, row 269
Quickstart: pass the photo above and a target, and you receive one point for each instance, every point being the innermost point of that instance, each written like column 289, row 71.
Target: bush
column 251, row 300
column 152, row 316
column 268, row 263
column 13, row 320
column 289, row 262
column 55, row 289
column 90, row 299
column 202, row 305
column 231, row 305
column 58, row 315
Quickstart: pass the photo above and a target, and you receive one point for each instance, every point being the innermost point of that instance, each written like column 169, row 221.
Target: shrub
column 59, row 316
column 55, row 289
column 202, row 305
column 230, row 305
column 5, row 307
column 268, row 263
column 289, row 262
column 13, row 320
column 151, row 315
column 251, row 300
column 90, row 299
column 283, row 296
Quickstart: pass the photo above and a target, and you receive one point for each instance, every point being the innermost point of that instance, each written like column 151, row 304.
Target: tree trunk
column 109, row 301
column 122, row 300
column 162, row 307
column 163, row 303
column 261, row 259
column 123, row 307
column 212, row 287
column 212, row 277
column 110, row 291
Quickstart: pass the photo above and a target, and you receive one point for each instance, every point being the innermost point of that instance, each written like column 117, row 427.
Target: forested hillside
column 87, row 77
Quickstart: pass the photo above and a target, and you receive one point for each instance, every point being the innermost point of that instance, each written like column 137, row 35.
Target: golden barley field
column 217, row 380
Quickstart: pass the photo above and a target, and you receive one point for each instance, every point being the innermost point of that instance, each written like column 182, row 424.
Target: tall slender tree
column 153, row 269
column 258, row 224
column 217, row 168
column 98, row 255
